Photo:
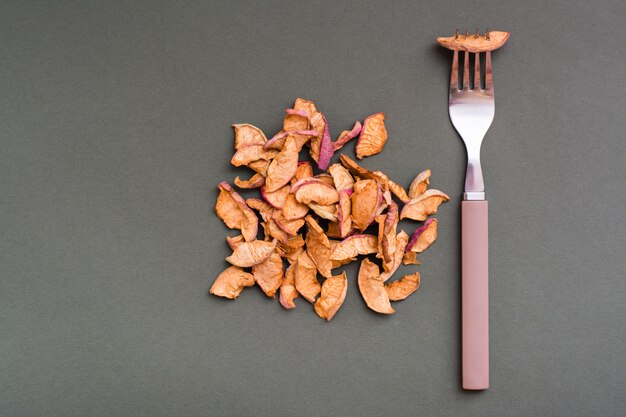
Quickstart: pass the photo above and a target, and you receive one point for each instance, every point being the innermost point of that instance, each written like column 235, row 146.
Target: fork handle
column 475, row 294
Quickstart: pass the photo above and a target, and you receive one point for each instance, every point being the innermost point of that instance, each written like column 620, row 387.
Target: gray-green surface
column 115, row 129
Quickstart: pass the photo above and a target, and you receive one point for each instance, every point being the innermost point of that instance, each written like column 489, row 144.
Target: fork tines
column 476, row 76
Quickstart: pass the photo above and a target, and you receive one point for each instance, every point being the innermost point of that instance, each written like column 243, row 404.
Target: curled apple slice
column 316, row 191
column 354, row 245
column 419, row 184
column 342, row 180
column 333, row 294
column 288, row 290
column 246, row 135
column 423, row 236
column 402, row 288
column 347, row 135
column 373, row 136
column 233, row 210
column 372, row 288
column 255, row 181
column 366, row 199
column 490, row 41
column 283, row 167
column 248, row 254
column 231, row 282
column 423, row 206
column 269, row 274
column 306, row 278
column 318, row 247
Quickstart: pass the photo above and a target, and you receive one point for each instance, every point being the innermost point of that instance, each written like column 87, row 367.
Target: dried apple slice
column 366, row 199
column 232, row 209
column 321, row 145
column 342, row 180
column 304, row 170
column 283, row 167
column 252, row 153
column 293, row 209
column 387, row 226
column 344, row 213
column 490, row 41
column 333, row 294
column 355, row 245
column 300, row 137
column 373, row 136
column 252, row 253
column 275, row 198
column 231, row 282
column 328, row 212
column 347, row 135
column 246, row 135
column 288, row 290
column 256, row 181
column 263, row 207
column 316, row 191
column 234, row 241
column 419, row 184
column 423, row 236
column 306, row 278
column 291, row 248
column 273, row 231
column 401, row 240
column 410, row 258
column 305, row 105
column 269, row 274
column 398, row 191
column 402, row 288
column 291, row 227
column 373, row 289
column 357, row 170
column 318, row 247
column 423, row 206
column 259, row 166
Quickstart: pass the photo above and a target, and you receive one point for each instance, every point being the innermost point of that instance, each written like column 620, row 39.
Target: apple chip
column 259, row 166
column 402, row 288
column 246, row 135
column 231, row 282
column 293, row 209
column 269, row 274
column 373, row 136
column 347, row 135
column 328, row 212
column 423, row 206
column 263, row 207
column 373, row 289
column 342, row 180
column 410, row 258
column 248, row 254
column 366, row 200
column 304, row 170
column 252, row 153
column 290, row 227
column 234, row 241
column 288, row 290
column 275, row 198
column 314, row 190
column 300, row 137
column 344, row 213
column 232, row 209
column 256, row 181
column 318, row 247
column 355, row 245
column 291, row 248
column 398, row 191
column 423, row 236
column 357, row 170
column 401, row 240
column 387, row 235
column 306, row 278
column 333, row 294
column 419, row 184
column 273, row 231
column 283, row 167
column 490, row 41
column 321, row 145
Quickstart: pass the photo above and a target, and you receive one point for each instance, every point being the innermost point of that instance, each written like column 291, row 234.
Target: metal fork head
column 471, row 111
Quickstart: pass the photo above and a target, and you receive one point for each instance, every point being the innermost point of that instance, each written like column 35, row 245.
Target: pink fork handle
column 475, row 294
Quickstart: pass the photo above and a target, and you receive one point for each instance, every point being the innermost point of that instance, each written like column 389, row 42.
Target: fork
column 471, row 112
